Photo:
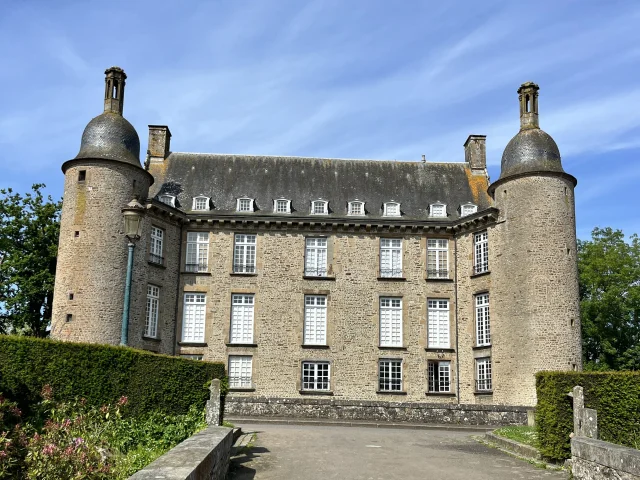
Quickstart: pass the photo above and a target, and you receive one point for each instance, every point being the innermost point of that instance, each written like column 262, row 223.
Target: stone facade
column 528, row 279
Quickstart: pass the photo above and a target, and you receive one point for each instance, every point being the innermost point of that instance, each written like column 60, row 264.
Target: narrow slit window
column 82, row 175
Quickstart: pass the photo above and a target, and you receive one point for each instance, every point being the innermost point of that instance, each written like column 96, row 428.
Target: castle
column 327, row 281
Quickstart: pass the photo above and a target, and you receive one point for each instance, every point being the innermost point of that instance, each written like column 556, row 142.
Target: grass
column 520, row 434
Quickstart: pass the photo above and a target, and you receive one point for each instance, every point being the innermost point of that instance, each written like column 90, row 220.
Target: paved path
column 314, row 453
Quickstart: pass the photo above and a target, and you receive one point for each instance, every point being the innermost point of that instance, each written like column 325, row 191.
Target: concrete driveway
column 325, row 452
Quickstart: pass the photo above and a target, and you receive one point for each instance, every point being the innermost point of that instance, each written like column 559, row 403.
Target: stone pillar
column 213, row 404
column 585, row 420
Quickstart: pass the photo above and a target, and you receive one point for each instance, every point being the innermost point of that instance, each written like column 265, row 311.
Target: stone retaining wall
column 593, row 459
column 332, row 409
column 204, row 456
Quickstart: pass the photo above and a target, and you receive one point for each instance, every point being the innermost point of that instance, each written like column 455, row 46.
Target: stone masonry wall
column 593, row 459
column 92, row 254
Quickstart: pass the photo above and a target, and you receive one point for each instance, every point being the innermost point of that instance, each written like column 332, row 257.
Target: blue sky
column 350, row 79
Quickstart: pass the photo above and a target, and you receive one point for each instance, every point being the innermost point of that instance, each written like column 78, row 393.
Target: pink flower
column 47, row 392
column 123, row 401
column 48, row 449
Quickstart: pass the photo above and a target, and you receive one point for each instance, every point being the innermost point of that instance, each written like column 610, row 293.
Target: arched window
column 168, row 200
column 392, row 209
column 245, row 204
column 356, row 208
column 200, row 203
column 319, row 207
column 468, row 209
column 281, row 205
column 438, row 210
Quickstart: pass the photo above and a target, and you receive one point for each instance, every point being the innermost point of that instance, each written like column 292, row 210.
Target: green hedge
column 102, row 374
column 615, row 395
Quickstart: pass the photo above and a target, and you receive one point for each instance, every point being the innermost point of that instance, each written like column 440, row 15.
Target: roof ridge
column 317, row 158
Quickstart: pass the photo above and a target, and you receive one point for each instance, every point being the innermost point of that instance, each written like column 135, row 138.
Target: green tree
column 609, row 270
column 29, row 228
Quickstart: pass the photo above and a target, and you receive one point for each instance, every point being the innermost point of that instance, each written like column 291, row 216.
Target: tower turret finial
column 114, row 90
column 528, row 96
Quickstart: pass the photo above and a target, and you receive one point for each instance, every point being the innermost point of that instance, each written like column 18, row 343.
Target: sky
column 339, row 79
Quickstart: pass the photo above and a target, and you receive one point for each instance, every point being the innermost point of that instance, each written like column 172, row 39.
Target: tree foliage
column 29, row 228
column 609, row 270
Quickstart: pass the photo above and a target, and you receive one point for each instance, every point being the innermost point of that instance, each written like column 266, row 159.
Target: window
column 439, row 376
column 480, row 252
column 151, row 316
column 391, row 257
column 438, row 324
column 483, row 332
column 315, row 320
column 193, row 317
column 240, row 371
column 389, row 375
column 315, row 260
column 315, row 376
column 319, row 207
column 82, row 175
column 356, row 208
column 438, row 210
column 197, row 251
column 191, row 356
column 437, row 258
column 168, row 200
column 483, row 375
column 282, row 206
column 244, row 256
column 201, row 203
column 468, row 209
column 241, row 319
column 245, row 205
column 155, row 250
column 391, row 209
column 390, row 322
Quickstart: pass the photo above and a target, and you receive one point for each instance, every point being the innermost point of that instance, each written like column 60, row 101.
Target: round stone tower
column 92, row 254
column 534, row 299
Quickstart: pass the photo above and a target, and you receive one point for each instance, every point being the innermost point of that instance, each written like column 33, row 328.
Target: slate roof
column 224, row 178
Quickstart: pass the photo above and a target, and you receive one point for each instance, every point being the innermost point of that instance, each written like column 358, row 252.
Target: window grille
column 319, row 207
column 282, row 206
column 197, row 252
column 391, row 209
column 438, row 324
column 480, row 252
column 390, row 322
column 315, row 260
column 438, row 210
column 437, row 258
column 483, row 375
column 241, row 319
column 468, row 209
column 356, row 208
column 151, row 315
column 390, row 375
column 439, row 376
column 244, row 257
column 240, row 373
column 315, row 320
column 201, row 203
column 245, row 205
column 193, row 317
column 483, row 330
column 391, row 257
column 315, row 376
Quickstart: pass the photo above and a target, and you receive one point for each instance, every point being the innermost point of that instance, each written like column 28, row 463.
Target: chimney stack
column 159, row 143
column 475, row 153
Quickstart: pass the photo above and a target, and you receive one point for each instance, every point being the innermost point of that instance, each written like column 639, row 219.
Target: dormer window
column 168, row 200
column 391, row 209
column 200, row 203
column 356, row 208
column 245, row 205
column 438, row 210
column 282, row 205
column 319, row 207
column 468, row 209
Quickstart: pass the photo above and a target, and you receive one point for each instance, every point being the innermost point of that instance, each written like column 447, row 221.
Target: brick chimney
column 475, row 153
column 159, row 142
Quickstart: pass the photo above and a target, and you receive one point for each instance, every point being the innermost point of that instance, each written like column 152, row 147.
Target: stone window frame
column 312, row 340
column 324, row 207
column 351, row 208
column 205, row 207
column 482, row 318
column 394, row 325
column 278, row 202
column 201, row 323
column 246, row 333
column 197, row 249
column 245, row 205
column 156, row 245
column 435, row 252
column 152, row 311
column 167, row 200
column 484, row 369
column 439, row 321
column 246, row 382
column 466, row 206
column 245, row 253
column 388, row 212
column 392, row 270
column 315, row 376
column 480, row 252
column 387, row 387
column 433, row 210
column 431, row 376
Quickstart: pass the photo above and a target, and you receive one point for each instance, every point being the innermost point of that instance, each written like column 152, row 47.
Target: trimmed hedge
column 615, row 395
column 102, row 374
